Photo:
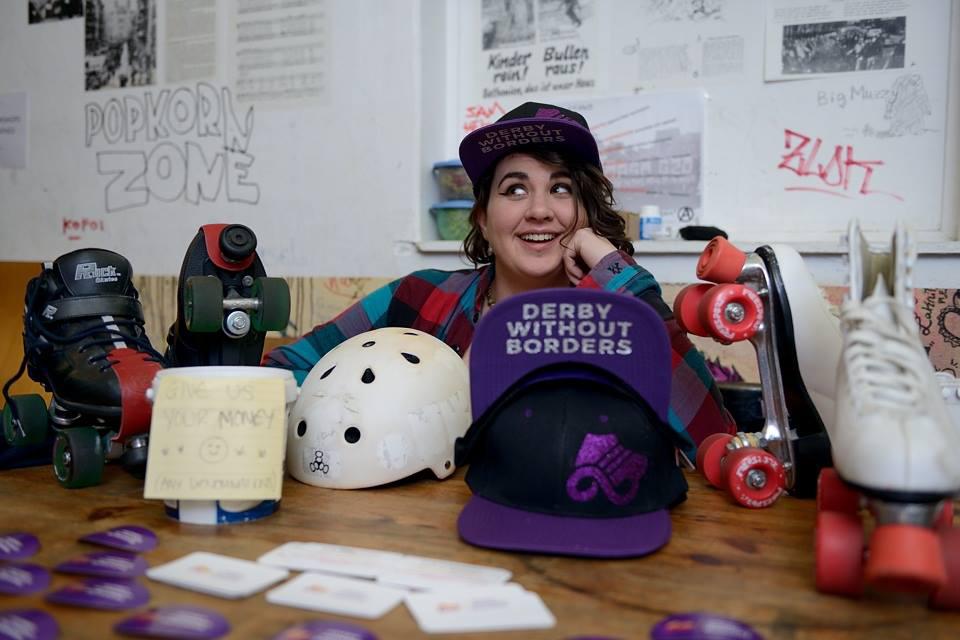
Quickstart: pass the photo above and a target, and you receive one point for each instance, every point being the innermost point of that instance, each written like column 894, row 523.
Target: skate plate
column 750, row 302
column 225, row 301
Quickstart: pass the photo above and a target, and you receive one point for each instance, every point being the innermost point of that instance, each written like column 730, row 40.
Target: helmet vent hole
column 446, row 464
column 369, row 343
column 301, row 428
column 328, row 372
column 352, row 435
column 367, row 377
column 410, row 333
column 412, row 359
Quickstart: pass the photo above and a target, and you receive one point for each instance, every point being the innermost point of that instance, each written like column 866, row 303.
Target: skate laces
column 114, row 336
column 881, row 355
column 136, row 338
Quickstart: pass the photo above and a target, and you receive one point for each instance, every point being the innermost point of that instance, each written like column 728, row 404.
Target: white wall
column 343, row 185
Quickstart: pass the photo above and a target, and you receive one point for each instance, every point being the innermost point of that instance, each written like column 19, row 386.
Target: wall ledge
column 695, row 247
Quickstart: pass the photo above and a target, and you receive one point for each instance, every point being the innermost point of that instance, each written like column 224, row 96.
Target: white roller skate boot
column 895, row 447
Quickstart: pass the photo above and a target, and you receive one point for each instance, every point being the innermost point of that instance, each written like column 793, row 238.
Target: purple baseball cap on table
column 570, row 452
column 532, row 124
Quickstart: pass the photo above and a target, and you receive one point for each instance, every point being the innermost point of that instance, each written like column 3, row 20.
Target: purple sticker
column 324, row 630
column 105, row 564
column 28, row 624
column 21, row 579
column 16, row 546
column 185, row 623
column 702, row 626
column 128, row 538
column 101, row 594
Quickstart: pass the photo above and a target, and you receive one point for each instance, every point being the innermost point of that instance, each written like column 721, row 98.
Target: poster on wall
column 121, row 43
column 190, row 40
column 669, row 43
column 651, row 148
column 811, row 39
column 544, row 46
column 13, row 130
column 279, row 52
column 44, row 10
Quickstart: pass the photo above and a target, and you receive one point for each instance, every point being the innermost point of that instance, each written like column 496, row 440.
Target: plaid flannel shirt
column 447, row 304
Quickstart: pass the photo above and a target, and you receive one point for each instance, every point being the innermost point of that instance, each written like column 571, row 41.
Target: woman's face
column 530, row 210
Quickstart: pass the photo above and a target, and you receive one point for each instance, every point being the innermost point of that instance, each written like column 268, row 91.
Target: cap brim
column 487, row 524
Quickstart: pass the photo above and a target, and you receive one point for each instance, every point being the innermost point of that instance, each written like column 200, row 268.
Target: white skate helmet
column 378, row 408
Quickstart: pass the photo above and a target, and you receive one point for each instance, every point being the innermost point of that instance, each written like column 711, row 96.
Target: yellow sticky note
column 216, row 438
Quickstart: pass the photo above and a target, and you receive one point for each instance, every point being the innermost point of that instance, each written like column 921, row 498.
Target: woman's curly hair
column 590, row 186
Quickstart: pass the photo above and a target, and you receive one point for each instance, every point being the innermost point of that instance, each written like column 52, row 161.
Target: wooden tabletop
column 756, row 566
column 753, row 565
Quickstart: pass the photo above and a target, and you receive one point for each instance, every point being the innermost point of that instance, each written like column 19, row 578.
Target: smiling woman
column 531, row 209
column 544, row 217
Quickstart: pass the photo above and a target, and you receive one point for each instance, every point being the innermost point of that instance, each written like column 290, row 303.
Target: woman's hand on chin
column 583, row 251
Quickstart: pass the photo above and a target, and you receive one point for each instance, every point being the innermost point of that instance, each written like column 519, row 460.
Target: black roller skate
column 84, row 341
column 225, row 302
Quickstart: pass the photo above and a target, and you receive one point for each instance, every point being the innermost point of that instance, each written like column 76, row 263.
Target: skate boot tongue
column 90, row 272
column 880, row 351
column 881, row 303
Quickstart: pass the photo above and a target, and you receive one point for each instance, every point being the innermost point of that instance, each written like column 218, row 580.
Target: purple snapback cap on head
column 570, row 452
column 530, row 125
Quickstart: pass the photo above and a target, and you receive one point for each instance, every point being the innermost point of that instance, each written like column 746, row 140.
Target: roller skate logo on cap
column 603, row 462
column 90, row 271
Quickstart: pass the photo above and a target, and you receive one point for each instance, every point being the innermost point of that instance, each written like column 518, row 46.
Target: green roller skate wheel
column 32, row 426
column 273, row 313
column 78, row 457
column 203, row 304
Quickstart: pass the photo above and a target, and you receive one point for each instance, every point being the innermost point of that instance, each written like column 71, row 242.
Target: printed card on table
column 330, row 558
column 217, row 575
column 490, row 608
column 338, row 595
column 432, row 574
column 216, row 438
column 387, row 567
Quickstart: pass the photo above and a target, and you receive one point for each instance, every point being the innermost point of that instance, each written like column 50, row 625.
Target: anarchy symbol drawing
column 685, row 214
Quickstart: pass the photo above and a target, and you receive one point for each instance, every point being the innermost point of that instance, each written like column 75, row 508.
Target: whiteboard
column 339, row 183
column 793, row 148
column 330, row 184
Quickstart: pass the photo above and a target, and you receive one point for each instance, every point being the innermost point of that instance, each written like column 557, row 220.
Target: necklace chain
column 489, row 297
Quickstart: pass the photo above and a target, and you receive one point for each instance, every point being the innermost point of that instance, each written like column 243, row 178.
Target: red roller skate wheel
column 709, row 454
column 833, row 494
column 686, row 308
column 731, row 312
column 838, row 553
column 754, row 477
column 948, row 596
column 905, row 558
column 720, row 261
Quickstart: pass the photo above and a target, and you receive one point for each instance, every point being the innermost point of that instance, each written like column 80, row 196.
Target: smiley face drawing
column 213, row 449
